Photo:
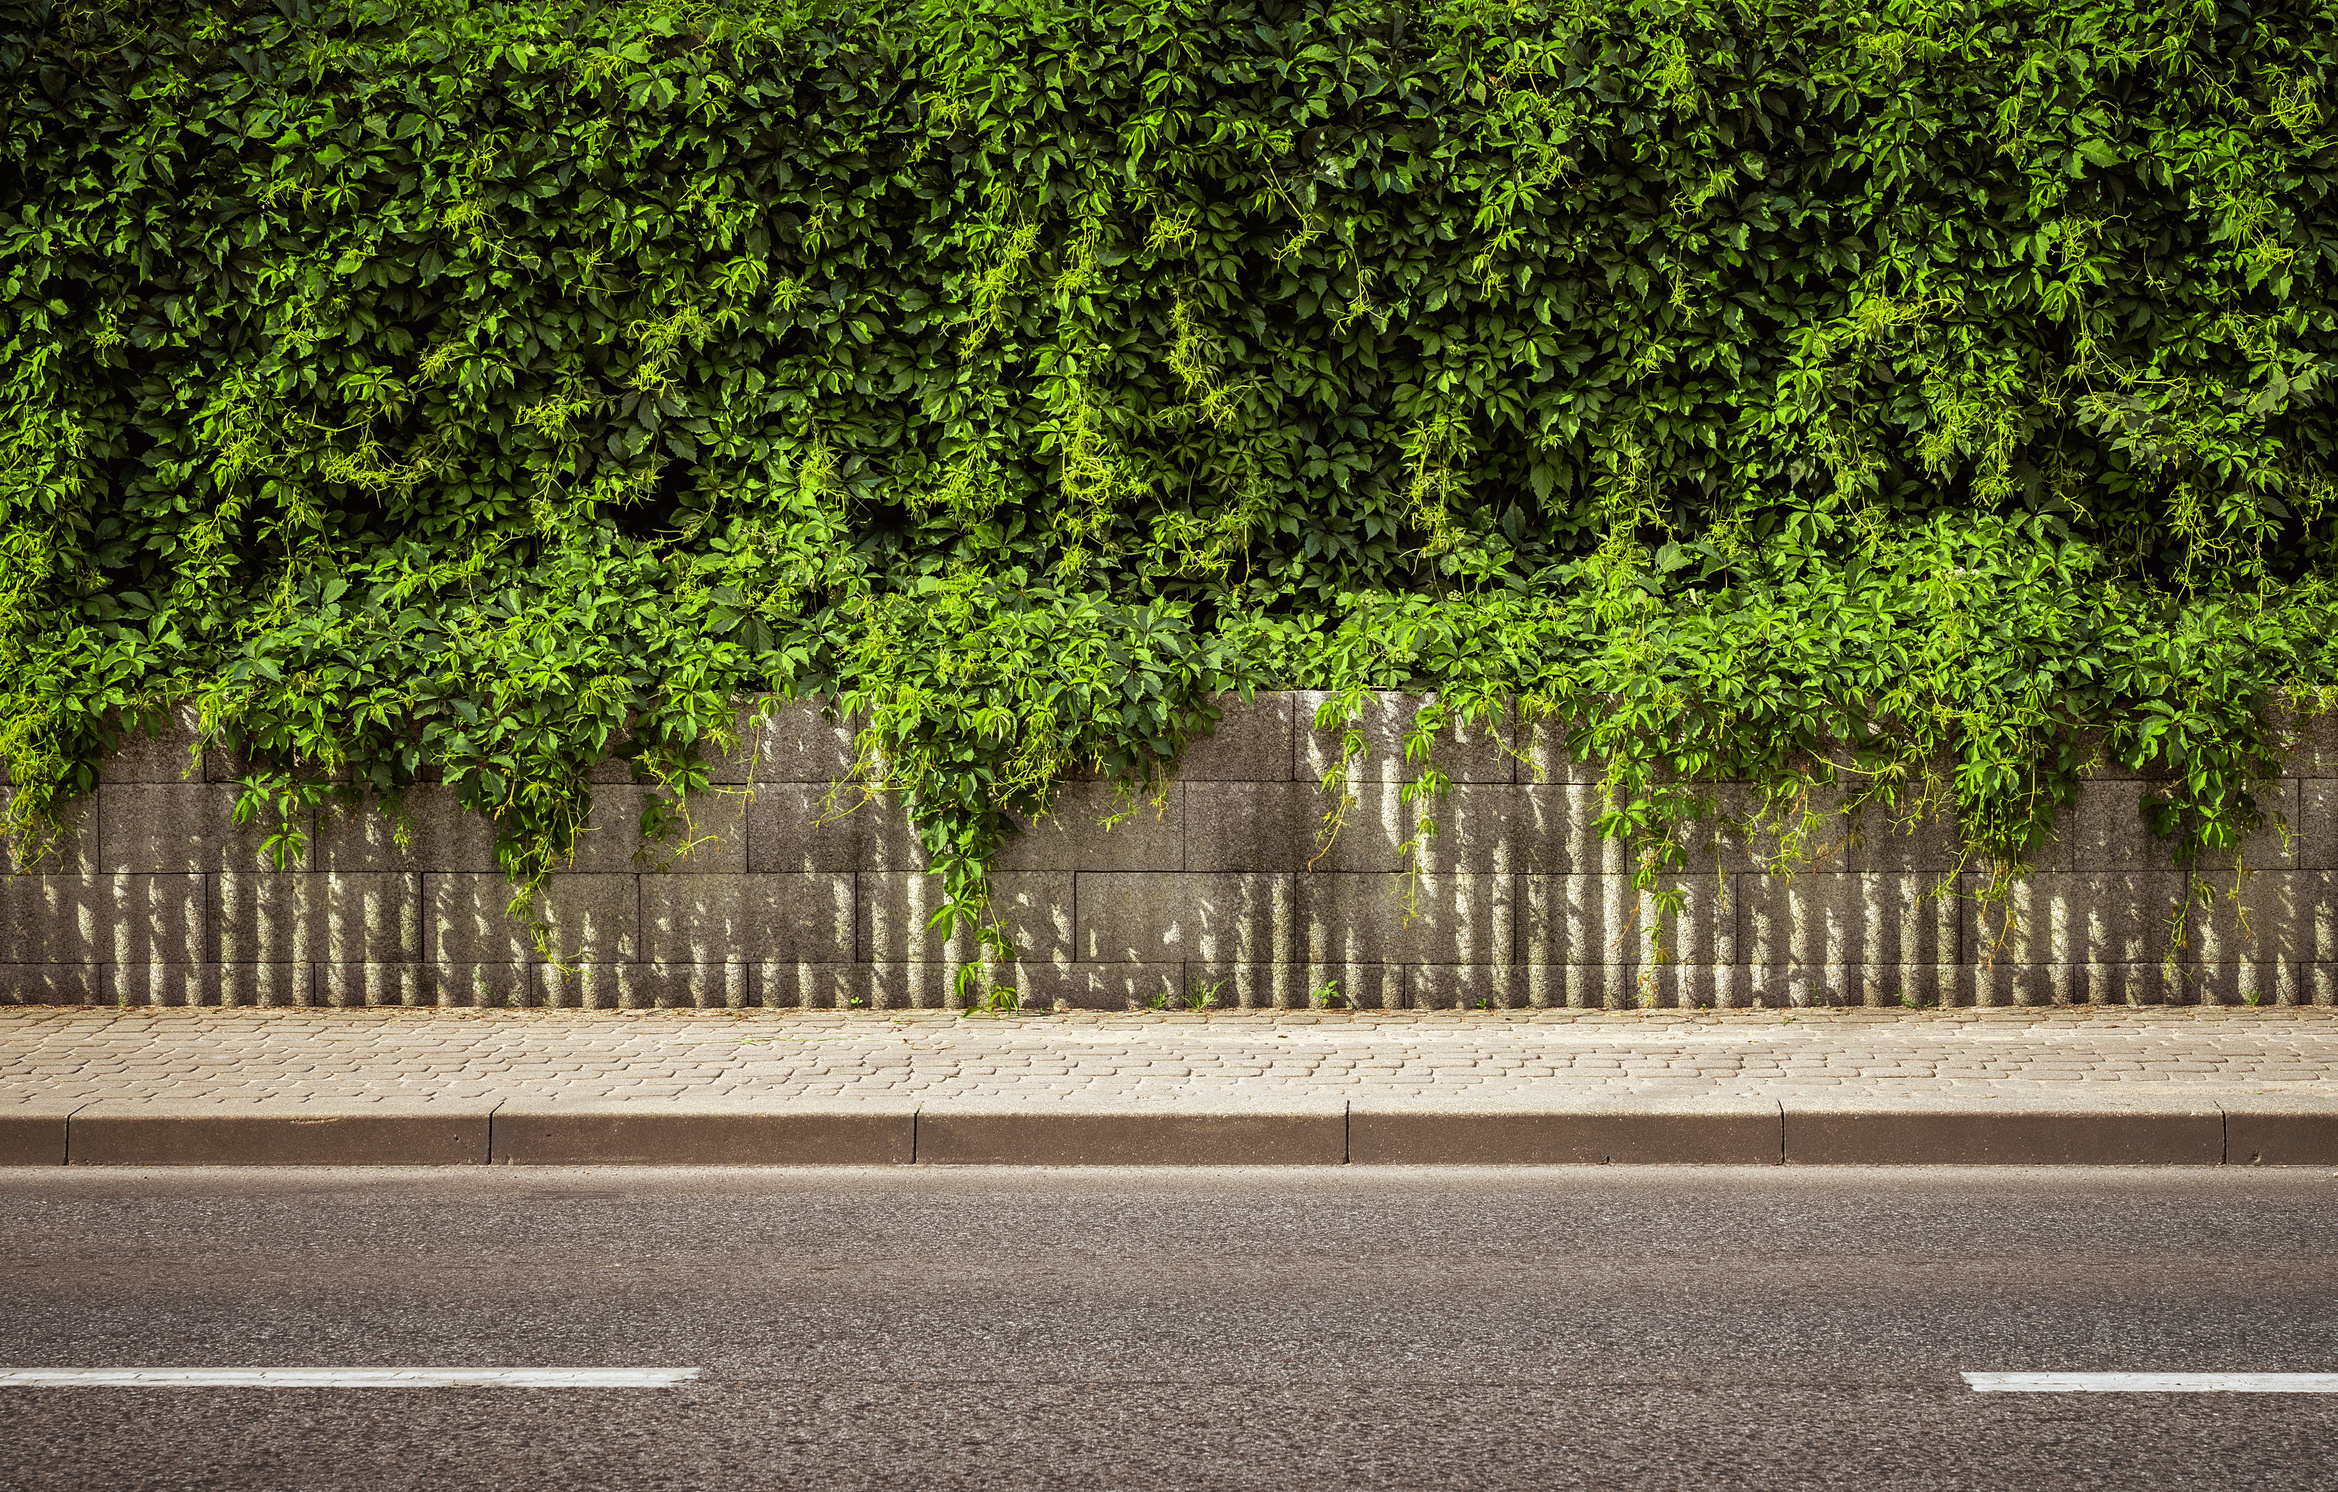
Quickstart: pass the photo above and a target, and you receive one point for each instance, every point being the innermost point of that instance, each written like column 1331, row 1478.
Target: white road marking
column 345, row 1377
column 2154, row 1383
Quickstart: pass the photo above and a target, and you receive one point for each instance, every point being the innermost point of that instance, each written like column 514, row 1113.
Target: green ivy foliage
column 1923, row 399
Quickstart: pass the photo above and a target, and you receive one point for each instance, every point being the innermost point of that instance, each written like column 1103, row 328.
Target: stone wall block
column 1403, row 919
column 576, row 986
column 896, row 911
column 1204, row 918
column 1093, row 827
column 2307, row 741
column 154, row 828
column 1247, row 986
column 713, row 919
column 56, row 919
column 1605, row 920
column 2068, row 917
column 1471, row 987
column 2012, row 984
column 1104, row 986
column 2260, row 916
column 1843, row 985
column 165, row 754
column 592, row 917
column 347, row 985
column 445, row 986
column 1544, row 757
column 52, row 984
column 2272, row 981
column 1252, row 743
column 655, row 985
column 1278, row 826
column 440, row 834
column 793, row 984
column 74, row 851
column 1351, row 985
column 266, row 985
column 160, row 919
column 1466, row 753
column 2316, row 823
column 2105, row 830
column 357, row 918
column 1821, row 919
column 816, row 826
column 799, row 744
column 1490, row 829
column 712, row 841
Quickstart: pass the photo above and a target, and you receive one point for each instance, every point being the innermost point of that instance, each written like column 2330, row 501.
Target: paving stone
column 588, row 916
column 353, row 918
column 897, row 911
column 1401, row 919
column 1604, row 919
column 712, row 919
column 147, row 828
column 1161, row 918
column 1465, row 753
column 1253, row 742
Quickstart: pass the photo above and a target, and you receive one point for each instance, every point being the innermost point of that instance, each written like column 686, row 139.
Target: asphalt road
column 1581, row 1327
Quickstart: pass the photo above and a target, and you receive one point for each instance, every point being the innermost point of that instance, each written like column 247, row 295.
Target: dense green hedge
column 1783, row 390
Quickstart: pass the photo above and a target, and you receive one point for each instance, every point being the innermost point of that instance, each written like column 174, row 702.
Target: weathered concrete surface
column 679, row 1132
column 2092, row 1129
column 150, row 1132
column 1024, row 1132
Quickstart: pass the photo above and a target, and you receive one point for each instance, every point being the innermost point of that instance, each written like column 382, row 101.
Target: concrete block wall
column 795, row 892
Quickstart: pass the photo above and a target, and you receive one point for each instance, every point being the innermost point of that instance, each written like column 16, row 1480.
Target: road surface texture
column 1599, row 1327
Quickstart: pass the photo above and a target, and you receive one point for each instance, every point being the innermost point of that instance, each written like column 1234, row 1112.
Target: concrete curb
column 617, row 1132
column 2004, row 1131
column 392, row 1133
column 1688, row 1131
column 1015, row 1133
column 2253, row 1129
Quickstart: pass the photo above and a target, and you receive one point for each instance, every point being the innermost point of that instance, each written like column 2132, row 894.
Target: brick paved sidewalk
column 63, row 1055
